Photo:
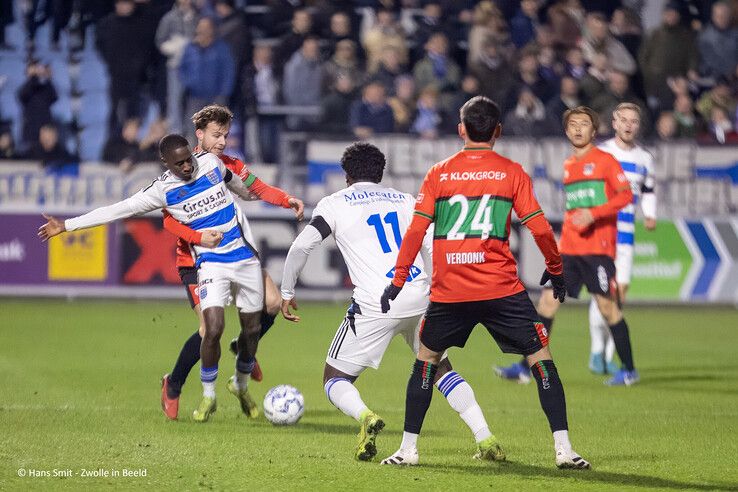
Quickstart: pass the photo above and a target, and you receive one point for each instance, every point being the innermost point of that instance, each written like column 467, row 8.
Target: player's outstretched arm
column 248, row 186
column 51, row 228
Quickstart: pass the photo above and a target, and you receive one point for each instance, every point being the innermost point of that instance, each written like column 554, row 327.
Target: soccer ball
column 284, row 405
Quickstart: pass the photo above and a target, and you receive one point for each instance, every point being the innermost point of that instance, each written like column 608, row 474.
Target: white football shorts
column 623, row 263
column 220, row 283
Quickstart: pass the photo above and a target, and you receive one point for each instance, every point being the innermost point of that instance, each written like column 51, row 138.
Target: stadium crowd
column 366, row 67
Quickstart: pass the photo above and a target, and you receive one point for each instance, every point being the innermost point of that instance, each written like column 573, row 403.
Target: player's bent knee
column 427, row 355
column 542, row 354
column 547, row 304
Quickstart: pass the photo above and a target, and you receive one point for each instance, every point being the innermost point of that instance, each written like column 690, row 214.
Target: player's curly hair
column 480, row 116
column 363, row 161
column 170, row 142
column 220, row 115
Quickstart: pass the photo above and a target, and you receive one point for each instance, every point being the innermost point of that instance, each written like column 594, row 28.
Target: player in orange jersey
column 212, row 124
column 596, row 189
column 469, row 197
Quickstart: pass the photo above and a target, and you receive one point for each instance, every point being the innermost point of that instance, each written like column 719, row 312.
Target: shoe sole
column 367, row 448
column 573, row 466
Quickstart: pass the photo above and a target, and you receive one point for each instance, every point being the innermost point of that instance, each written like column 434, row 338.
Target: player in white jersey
column 368, row 221
column 195, row 191
column 637, row 163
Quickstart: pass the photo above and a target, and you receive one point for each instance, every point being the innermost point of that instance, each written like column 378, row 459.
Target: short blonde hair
column 627, row 106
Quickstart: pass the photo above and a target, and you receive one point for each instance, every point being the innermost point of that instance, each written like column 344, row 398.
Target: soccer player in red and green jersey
column 470, row 197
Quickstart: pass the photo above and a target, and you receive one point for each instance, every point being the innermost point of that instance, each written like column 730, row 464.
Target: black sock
column 267, row 320
column 551, row 394
column 621, row 337
column 188, row 357
column 419, row 394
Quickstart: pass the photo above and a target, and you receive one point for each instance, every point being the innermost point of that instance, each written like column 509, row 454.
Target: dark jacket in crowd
column 377, row 117
column 336, row 108
column 36, row 97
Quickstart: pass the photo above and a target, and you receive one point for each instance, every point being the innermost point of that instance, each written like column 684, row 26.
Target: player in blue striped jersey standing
column 637, row 163
column 195, row 190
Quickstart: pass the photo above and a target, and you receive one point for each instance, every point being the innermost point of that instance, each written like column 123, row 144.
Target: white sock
column 208, row 389
column 609, row 346
column 409, row 441
column 561, row 440
column 460, row 396
column 597, row 328
column 345, row 397
column 242, row 379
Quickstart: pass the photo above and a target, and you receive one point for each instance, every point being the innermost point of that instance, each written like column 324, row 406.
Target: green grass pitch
column 80, row 390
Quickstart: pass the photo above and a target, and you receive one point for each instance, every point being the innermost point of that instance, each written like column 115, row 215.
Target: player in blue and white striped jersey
column 637, row 163
column 195, row 191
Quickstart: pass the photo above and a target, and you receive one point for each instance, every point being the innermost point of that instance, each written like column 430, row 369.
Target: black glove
column 390, row 294
column 557, row 282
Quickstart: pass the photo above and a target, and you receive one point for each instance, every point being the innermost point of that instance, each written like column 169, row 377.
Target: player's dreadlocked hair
column 480, row 116
column 363, row 161
column 220, row 115
column 170, row 142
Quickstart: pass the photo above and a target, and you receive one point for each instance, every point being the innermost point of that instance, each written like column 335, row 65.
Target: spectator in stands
column 470, row 87
column 148, row 149
column 568, row 98
column 566, row 18
column 36, row 96
column 6, row 19
column 344, row 62
column 575, row 65
column 437, row 68
column 371, row 114
column 207, row 70
column 336, row 106
column 528, row 118
column 718, row 43
column 123, row 149
column 670, row 51
column 666, row 126
column 403, row 103
column 687, row 120
column 124, row 47
column 719, row 96
column 303, row 82
column 720, row 128
column 598, row 39
column 549, row 66
column 430, row 22
column 529, row 76
column 389, row 69
column 51, row 152
column 7, row 144
column 429, row 118
column 176, row 29
column 523, row 25
column 618, row 91
column 260, row 88
column 487, row 24
column 234, row 30
column 385, row 31
column 594, row 82
column 625, row 26
column 289, row 43
column 496, row 75
column 340, row 29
